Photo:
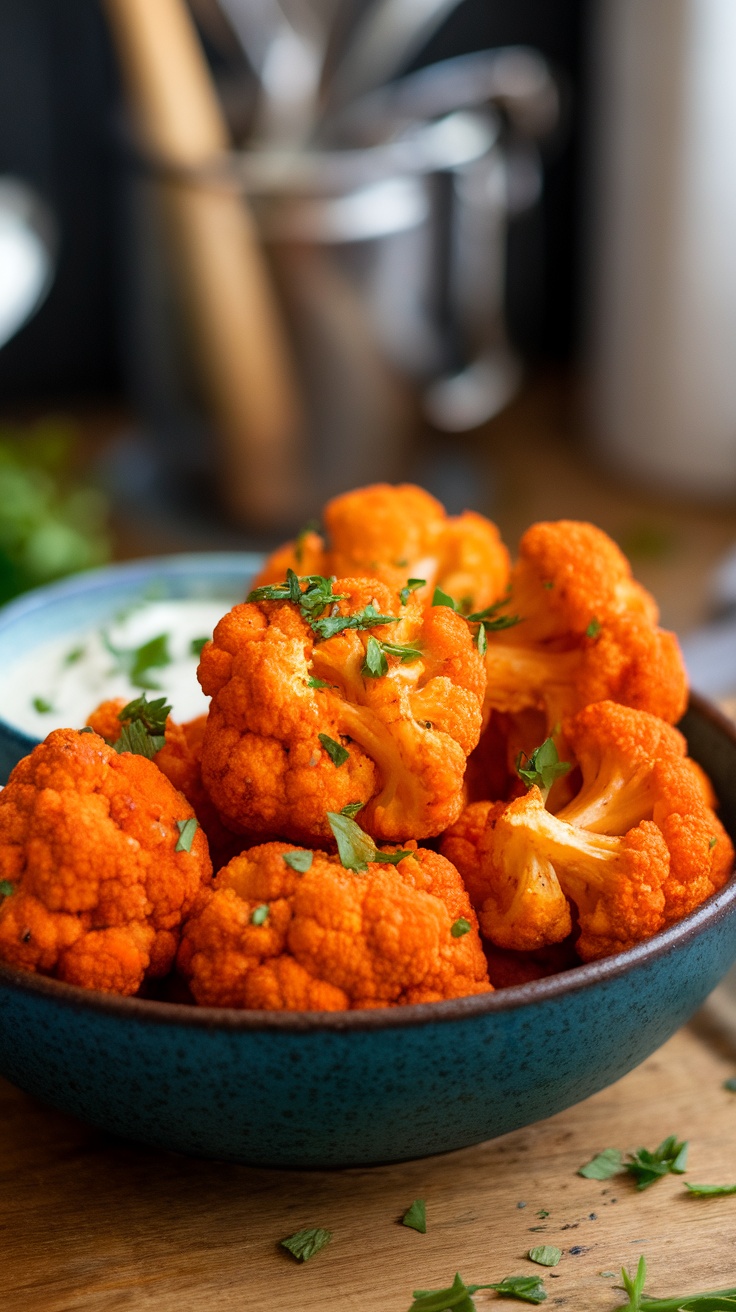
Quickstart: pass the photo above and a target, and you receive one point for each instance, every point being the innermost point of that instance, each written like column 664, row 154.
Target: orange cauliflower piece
column 396, row 533
column 271, row 938
column 587, row 632
column 637, row 848
column 88, row 843
column 299, row 726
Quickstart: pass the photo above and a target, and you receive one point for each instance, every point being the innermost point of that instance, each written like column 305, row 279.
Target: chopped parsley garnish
column 593, row 629
column 299, row 860
column 543, row 1212
column 415, row 1217
column 317, row 683
column 545, row 1255
column 196, row 645
column 314, row 599
column 411, row 586
column 441, row 598
column 460, row 926
column 491, row 620
column 137, row 662
column 305, row 1243
column 457, row 1295
column 648, row 1167
column 711, row 843
column 259, row 916
column 543, row 767
column 42, row 706
column 6, row 888
column 711, row 1190
column 481, row 640
column 144, row 726
column 336, row 752
column 187, row 830
column 74, row 655
column 87, row 729
column 356, row 849
column 311, row 527
column 351, row 809
column 708, row 1301
column 604, row 1166
column 375, row 664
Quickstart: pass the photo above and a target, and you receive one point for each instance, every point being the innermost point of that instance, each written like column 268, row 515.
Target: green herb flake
column 351, row 809
column 375, row 664
column 317, row 683
column 481, row 640
column 711, row 1190
column 458, row 1296
column 548, row 585
column 259, row 916
column 187, row 830
column 730, row 1084
column 648, row 1167
column 415, row 1217
column 87, row 729
column 711, row 843
column 543, row 1212
column 356, row 849
column 300, row 860
column 460, row 927
column 492, row 618
column 144, row 725
column 196, row 645
column 42, row 706
column 336, row 752
column 604, row 1165
column 137, row 662
column 74, row 655
column 528, row 1289
column 311, row 527
column 545, row 1255
column 543, row 767
column 305, row 1243
column 441, row 598
column 316, row 597
column 6, row 888
column 368, row 618
column 593, row 629
column 411, row 586
column 710, row 1301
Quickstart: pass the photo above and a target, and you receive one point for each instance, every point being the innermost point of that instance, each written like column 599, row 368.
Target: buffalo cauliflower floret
column 637, row 848
column 586, row 632
column 326, row 695
column 97, row 871
column 397, row 533
column 322, row 937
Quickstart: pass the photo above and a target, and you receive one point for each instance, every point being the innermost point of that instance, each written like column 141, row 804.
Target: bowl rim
column 414, row 1015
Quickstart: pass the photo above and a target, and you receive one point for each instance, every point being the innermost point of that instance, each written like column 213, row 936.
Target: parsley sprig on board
column 708, row 1301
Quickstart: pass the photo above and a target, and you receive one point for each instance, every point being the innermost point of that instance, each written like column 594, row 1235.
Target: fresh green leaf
column 543, row 1212
column 542, row 767
column 460, row 926
column 457, row 1297
column 441, row 598
column 635, row 1288
column 289, row 590
column 711, row 1190
column 493, row 619
column 546, row 1255
column 300, row 860
column 196, row 645
column 528, row 1289
column 375, row 664
column 259, row 916
column 593, row 629
column 318, row 683
column 137, row 662
column 356, row 848
column 187, row 830
column 351, row 809
column 42, row 706
column 6, row 888
column 305, row 1243
column 406, row 653
column 604, row 1165
column 415, row 1217
column 710, row 1301
column 144, row 725
column 336, row 752
column 647, row 1167
column 411, row 586
column 368, row 618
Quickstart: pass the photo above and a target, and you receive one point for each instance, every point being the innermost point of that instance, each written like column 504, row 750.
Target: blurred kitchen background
column 255, row 252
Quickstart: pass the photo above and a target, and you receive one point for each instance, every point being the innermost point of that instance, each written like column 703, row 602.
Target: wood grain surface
column 89, row 1223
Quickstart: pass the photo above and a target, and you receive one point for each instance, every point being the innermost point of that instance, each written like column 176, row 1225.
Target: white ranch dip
column 74, row 673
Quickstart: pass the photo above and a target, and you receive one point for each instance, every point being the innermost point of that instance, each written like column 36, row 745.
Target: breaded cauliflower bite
column 96, row 888
column 396, row 533
column 587, row 632
column 637, row 848
column 331, row 693
column 329, row 939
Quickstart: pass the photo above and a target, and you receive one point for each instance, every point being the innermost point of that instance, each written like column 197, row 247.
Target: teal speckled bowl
column 338, row 1089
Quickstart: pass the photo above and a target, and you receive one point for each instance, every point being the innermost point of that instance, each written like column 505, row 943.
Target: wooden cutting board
column 89, row 1223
